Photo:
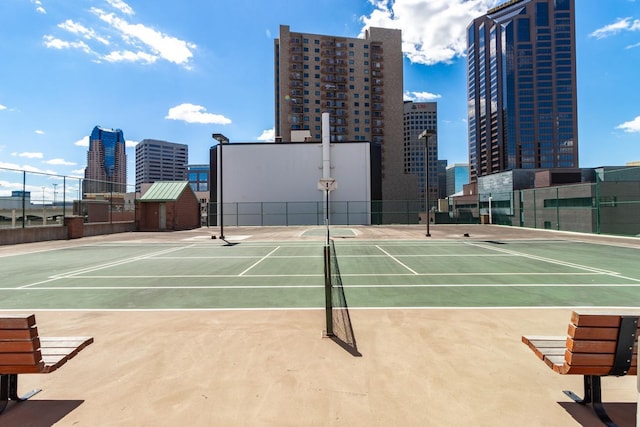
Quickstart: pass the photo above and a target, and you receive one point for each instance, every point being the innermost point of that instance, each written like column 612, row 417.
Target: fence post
column 558, row 208
column 24, row 187
column 535, row 210
column 598, row 204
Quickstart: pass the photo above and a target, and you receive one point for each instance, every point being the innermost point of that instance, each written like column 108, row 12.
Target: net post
column 327, row 292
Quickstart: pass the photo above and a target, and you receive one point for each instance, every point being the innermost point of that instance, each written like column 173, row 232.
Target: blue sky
column 180, row 70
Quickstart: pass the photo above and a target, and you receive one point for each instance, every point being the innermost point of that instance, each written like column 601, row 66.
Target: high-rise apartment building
column 418, row 117
column 359, row 82
column 522, row 105
column 160, row 161
column 106, row 170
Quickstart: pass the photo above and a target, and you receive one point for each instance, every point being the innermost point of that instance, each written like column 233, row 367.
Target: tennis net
column 338, row 320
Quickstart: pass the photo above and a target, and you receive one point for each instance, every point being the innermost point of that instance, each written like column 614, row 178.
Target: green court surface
column 394, row 274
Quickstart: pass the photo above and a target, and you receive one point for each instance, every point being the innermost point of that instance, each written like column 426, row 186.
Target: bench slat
column 18, row 346
column 589, row 346
column 22, row 369
column 17, row 321
column 18, row 334
column 544, row 345
column 593, row 333
column 31, row 358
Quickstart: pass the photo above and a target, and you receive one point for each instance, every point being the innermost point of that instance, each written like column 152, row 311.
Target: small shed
column 168, row 205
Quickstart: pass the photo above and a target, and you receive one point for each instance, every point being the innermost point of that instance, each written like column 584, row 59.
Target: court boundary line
column 259, row 287
column 548, row 260
column 217, row 309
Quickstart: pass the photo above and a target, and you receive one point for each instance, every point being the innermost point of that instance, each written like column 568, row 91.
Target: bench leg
column 593, row 396
column 9, row 390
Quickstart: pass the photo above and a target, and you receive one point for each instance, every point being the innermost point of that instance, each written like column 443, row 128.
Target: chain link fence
column 36, row 199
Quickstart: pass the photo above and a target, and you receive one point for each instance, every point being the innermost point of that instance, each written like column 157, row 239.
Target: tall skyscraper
column 359, row 82
column 522, row 105
column 457, row 176
column 106, row 170
column 418, row 117
column 160, row 161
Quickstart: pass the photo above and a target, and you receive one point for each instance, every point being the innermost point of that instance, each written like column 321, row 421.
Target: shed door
column 162, row 216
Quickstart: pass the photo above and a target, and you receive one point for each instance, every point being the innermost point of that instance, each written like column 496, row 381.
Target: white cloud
column 421, row 96
column 121, row 6
column 268, row 135
column 622, row 24
column 78, row 172
column 84, row 142
column 633, row 46
column 167, row 47
column 433, row 31
column 59, row 162
column 40, row 132
column 79, row 29
column 27, row 168
column 130, row 144
column 632, row 126
column 129, row 56
column 2, row 107
column 191, row 113
column 29, row 155
column 55, row 43
column 39, row 7
column 129, row 42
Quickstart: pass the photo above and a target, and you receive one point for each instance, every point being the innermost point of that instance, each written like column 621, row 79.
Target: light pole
column 221, row 141
column 426, row 134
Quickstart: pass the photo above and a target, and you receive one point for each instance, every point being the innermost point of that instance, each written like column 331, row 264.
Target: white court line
column 258, row 287
column 549, row 260
column 213, row 276
column 191, row 276
column 397, row 260
column 102, row 266
column 259, row 261
column 466, row 308
column 241, row 256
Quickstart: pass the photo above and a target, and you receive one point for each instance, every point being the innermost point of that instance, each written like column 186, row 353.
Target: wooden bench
column 596, row 345
column 22, row 351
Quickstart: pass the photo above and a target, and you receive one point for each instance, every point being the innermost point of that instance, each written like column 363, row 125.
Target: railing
column 36, row 199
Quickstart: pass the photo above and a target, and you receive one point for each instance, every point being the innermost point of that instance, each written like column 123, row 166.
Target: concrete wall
column 15, row 236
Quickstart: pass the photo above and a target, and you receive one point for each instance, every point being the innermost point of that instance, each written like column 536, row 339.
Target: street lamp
column 221, row 141
column 426, row 134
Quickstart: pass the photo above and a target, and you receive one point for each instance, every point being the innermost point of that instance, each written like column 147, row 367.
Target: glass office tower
column 521, row 70
column 106, row 170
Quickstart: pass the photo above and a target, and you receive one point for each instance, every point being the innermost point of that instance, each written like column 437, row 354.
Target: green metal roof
column 165, row 191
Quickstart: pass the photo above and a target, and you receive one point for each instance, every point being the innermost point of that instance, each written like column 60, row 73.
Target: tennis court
column 199, row 272
column 210, row 332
